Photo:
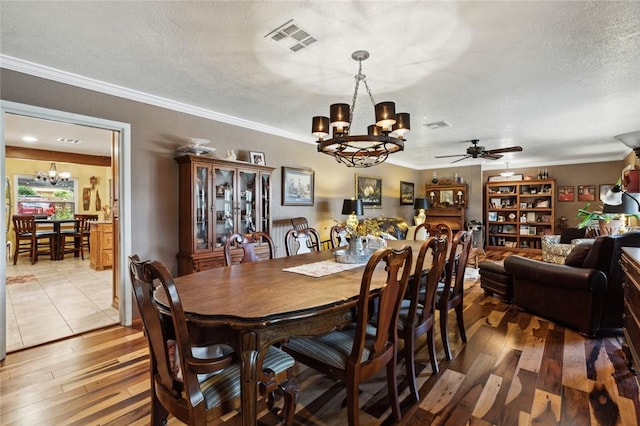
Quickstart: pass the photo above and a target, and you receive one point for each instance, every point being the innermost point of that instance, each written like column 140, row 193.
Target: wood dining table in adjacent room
column 58, row 253
column 252, row 306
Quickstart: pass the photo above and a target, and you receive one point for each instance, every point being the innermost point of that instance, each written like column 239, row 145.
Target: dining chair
column 450, row 291
column 299, row 223
column 198, row 384
column 77, row 239
column 422, row 230
column 338, row 236
column 241, row 248
column 360, row 350
column 301, row 241
column 30, row 240
column 443, row 230
column 417, row 312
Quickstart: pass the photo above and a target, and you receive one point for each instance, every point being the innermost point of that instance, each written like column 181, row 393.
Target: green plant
column 585, row 216
column 26, row 190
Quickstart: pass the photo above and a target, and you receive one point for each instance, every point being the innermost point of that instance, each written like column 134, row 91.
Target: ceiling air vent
column 437, row 125
column 288, row 33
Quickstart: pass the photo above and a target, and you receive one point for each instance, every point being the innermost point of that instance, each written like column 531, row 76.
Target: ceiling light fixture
column 53, row 176
column 384, row 137
column 507, row 172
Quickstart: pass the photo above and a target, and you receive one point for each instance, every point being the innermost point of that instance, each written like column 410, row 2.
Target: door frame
column 124, row 186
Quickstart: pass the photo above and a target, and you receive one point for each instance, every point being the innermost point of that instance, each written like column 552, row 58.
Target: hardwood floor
column 515, row 369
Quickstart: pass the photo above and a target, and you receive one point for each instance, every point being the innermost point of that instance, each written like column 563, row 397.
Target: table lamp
column 619, row 201
column 353, row 208
column 420, row 204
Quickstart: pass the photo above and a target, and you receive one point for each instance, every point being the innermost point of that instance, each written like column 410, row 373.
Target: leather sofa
column 396, row 227
column 584, row 294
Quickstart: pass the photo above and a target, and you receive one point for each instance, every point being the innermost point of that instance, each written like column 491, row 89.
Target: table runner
column 320, row 269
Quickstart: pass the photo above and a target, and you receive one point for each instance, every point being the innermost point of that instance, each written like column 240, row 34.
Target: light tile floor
column 55, row 299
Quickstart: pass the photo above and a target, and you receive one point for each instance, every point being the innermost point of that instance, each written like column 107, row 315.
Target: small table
column 58, row 250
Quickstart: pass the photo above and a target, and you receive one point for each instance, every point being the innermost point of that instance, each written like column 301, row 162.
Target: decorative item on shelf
column 420, row 204
column 231, row 155
column 435, row 177
column 353, row 208
column 106, row 213
column 93, row 180
column 53, row 176
column 384, row 137
column 459, row 198
column 563, row 222
column 197, row 147
column 98, row 201
column 432, row 197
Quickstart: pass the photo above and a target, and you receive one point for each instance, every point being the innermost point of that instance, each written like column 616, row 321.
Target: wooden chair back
column 338, row 236
column 24, row 225
column 30, row 240
column 301, row 241
column 443, row 230
column 299, row 223
column 419, row 229
column 241, row 248
column 84, row 223
column 451, row 290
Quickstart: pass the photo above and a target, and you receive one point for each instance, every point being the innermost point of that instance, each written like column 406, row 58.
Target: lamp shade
column 421, row 203
column 352, row 206
column 629, row 205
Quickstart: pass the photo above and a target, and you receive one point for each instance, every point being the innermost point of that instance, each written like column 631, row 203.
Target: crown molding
column 42, row 71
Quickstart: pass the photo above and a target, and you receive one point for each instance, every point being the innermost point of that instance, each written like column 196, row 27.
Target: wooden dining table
column 252, row 306
column 58, row 253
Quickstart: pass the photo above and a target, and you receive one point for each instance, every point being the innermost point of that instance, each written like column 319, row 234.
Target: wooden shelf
column 447, row 204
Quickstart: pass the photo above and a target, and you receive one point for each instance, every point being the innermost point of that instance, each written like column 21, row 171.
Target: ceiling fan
column 476, row 151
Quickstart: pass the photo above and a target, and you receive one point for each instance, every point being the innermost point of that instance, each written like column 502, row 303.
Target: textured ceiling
column 559, row 79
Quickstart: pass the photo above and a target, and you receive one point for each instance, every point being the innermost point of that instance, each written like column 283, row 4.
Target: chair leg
column 392, row 384
column 444, row 332
column 409, row 360
column 460, row 320
column 290, row 392
column 431, row 347
column 353, row 409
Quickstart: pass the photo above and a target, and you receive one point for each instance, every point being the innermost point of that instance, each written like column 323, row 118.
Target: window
column 41, row 198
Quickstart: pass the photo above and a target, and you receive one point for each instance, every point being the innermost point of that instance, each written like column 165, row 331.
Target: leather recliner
column 584, row 294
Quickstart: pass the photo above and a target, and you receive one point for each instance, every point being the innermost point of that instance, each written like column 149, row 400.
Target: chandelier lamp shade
column 53, row 175
column 384, row 137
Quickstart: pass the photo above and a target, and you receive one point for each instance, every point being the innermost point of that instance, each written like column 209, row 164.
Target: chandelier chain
column 359, row 77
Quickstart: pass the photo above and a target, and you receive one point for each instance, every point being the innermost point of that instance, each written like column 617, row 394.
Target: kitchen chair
column 422, row 230
column 301, row 241
column 451, row 291
column 77, row 239
column 197, row 384
column 338, row 236
column 241, row 248
column 417, row 312
column 30, row 240
column 358, row 351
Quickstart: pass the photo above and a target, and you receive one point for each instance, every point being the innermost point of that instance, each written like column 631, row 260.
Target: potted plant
column 609, row 223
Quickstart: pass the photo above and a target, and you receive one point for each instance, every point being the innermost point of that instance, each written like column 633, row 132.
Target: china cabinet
column 447, row 204
column 519, row 213
column 218, row 198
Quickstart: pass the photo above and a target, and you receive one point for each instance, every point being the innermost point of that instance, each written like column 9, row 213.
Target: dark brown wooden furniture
column 357, row 352
column 218, row 198
column 236, row 301
column 494, row 279
column 75, row 240
column 446, row 206
column 203, row 382
column 242, row 248
column 30, row 240
column 299, row 223
column 419, row 228
column 442, row 230
column 630, row 263
column 450, row 292
column 417, row 314
column 337, row 236
column 301, row 241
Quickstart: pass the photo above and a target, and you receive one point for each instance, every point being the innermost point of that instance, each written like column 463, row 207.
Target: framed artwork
column 256, row 157
column 406, row 192
column 369, row 190
column 297, row 186
column 446, row 197
column 603, row 190
column 586, row 192
column 565, row 193
column 493, row 216
column 541, row 204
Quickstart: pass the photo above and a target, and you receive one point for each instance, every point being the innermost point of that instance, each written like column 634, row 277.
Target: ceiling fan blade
column 491, row 155
column 460, row 159
column 446, row 156
column 507, row 149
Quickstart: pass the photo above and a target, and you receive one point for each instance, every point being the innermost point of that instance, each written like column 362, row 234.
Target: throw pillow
column 577, row 256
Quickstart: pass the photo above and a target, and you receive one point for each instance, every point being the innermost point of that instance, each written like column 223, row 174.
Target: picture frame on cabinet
column 256, row 157
column 406, row 193
column 566, row 193
column 297, row 186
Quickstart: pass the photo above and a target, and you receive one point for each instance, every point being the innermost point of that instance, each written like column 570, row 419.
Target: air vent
column 437, row 125
column 71, row 141
column 291, row 32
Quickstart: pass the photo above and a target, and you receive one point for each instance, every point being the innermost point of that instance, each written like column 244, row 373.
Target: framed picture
column 369, row 190
column 565, row 193
column 603, row 190
column 257, row 158
column 493, row 216
column 406, row 192
column 541, row 204
column 297, row 186
column 446, row 197
column 586, row 192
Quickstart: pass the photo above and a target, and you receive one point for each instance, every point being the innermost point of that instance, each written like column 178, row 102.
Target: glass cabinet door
column 266, row 203
column 247, row 202
column 202, row 226
column 224, row 205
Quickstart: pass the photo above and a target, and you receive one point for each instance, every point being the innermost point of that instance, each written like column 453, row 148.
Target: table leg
column 248, row 385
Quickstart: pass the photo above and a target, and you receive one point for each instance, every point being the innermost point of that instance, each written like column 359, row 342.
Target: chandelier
column 53, row 176
column 384, row 137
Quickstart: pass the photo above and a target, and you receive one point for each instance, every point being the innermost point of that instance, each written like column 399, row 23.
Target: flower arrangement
column 364, row 228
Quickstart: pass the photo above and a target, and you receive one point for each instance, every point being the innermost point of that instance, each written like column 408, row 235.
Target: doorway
column 118, row 195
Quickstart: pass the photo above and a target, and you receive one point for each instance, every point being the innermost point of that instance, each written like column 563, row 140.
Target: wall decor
column 586, row 192
column 603, row 190
column 565, row 193
column 257, row 158
column 406, row 192
column 297, row 186
column 369, row 190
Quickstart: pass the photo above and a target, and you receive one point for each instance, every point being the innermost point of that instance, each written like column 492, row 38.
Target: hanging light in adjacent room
column 384, row 137
column 53, row 176
column 507, row 172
